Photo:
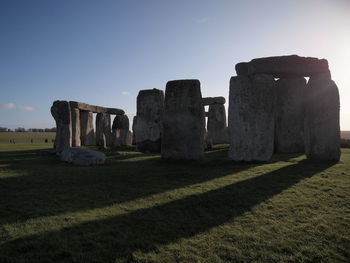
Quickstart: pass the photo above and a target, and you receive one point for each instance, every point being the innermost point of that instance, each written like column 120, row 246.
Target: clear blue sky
column 103, row 52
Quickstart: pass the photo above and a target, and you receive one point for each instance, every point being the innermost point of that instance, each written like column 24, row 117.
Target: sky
column 103, row 52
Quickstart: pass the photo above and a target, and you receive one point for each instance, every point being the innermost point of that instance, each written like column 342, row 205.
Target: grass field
column 39, row 137
column 138, row 208
column 25, row 137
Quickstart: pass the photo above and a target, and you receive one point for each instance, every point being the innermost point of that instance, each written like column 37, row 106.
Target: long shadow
column 116, row 238
column 6, row 157
column 44, row 186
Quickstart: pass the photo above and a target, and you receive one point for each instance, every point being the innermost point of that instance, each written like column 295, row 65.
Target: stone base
column 149, row 146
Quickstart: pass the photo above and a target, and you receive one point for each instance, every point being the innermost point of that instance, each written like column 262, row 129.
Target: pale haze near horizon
column 104, row 52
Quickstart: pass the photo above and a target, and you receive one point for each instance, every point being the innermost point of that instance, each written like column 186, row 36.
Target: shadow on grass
column 114, row 239
column 44, row 186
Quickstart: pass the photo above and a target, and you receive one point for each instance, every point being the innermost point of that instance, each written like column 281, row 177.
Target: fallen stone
column 183, row 121
column 213, row 100
column 251, row 118
column 284, row 66
column 147, row 125
column 60, row 111
column 289, row 115
column 322, row 129
column 83, row 157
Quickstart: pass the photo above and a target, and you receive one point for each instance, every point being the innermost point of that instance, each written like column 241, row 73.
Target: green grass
column 138, row 208
column 26, row 137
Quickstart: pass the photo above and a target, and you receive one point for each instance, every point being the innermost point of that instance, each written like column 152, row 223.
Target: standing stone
column 87, row 134
column 148, row 122
column 60, row 111
column 103, row 129
column 98, row 127
column 102, row 144
column 125, row 134
column 217, row 127
column 183, row 121
column 208, row 142
column 107, row 129
column 251, row 118
column 116, row 130
column 120, row 131
column 75, row 115
column 289, row 115
column 128, row 138
column 322, row 131
column 133, row 131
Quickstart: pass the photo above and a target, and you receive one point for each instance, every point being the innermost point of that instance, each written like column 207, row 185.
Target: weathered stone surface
column 251, row 118
column 96, row 109
column 60, row 111
column 84, row 157
column 322, row 131
column 217, row 127
column 121, row 122
column 284, row 66
column 75, row 115
column 115, row 137
column 183, row 121
column 213, row 100
column 103, row 129
column 87, row 133
column 120, row 131
column 289, row 115
column 148, row 122
column 103, row 142
column 208, row 142
column 128, row 138
column 133, row 131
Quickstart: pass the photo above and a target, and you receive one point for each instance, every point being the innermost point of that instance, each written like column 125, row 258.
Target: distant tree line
column 20, row 129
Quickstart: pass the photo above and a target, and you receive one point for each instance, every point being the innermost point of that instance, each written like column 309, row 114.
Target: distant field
column 345, row 134
column 39, row 137
column 25, row 137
